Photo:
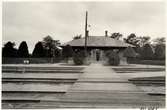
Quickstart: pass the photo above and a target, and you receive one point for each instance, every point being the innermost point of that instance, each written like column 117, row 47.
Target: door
column 97, row 55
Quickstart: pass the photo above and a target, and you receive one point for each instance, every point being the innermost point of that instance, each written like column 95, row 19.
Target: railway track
column 23, row 85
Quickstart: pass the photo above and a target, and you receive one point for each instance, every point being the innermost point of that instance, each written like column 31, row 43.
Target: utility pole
column 86, row 33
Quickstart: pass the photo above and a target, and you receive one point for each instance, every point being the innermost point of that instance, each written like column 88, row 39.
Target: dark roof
column 98, row 41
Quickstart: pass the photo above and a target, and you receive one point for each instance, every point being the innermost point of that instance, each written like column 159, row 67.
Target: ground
column 93, row 86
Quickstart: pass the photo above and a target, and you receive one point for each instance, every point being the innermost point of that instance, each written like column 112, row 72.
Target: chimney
column 106, row 33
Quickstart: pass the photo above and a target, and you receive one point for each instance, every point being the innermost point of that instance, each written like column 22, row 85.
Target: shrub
column 9, row 51
column 129, row 52
column 78, row 58
column 39, row 51
column 147, row 52
column 113, row 58
column 67, row 52
column 23, row 50
column 159, row 52
column 138, row 49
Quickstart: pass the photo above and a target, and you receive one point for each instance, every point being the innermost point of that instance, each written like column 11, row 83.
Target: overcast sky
column 32, row 21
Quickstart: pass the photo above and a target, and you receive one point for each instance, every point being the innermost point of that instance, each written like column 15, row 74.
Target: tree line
column 145, row 48
column 46, row 48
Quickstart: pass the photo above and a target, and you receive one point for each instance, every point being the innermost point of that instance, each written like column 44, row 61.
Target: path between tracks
column 100, row 86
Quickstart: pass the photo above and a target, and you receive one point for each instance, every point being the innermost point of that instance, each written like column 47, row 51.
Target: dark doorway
column 97, row 55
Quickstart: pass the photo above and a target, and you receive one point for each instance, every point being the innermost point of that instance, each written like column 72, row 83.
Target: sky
column 32, row 21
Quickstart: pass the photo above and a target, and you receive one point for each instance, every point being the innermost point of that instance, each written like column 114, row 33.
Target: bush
column 147, row 52
column 159, row 52
column 23, row 50
column 39, row 51
column 9, row 51
column 78, row 58
column 67, row 52
column 113, row 58
column 129, row 52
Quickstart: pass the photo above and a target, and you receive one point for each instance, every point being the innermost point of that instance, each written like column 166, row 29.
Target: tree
column 77, row 37
column 137, row 41
column 159, row 48
column 116, row 35
column 159, row 41
column 39, row 51
column 147, row 52
column 8, row 50
column 23, row 50
column 132, row 39
column 67, row 52
column 50, row 45
column 159, row 52
column 143, row 40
